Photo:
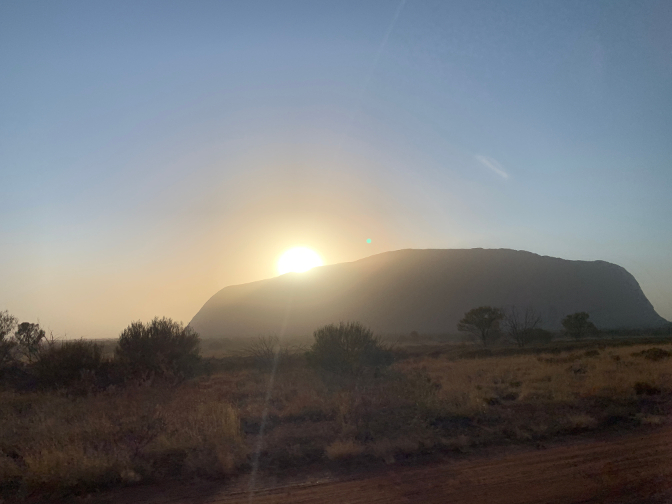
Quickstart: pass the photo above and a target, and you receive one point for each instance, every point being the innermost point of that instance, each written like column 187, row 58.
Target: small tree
column 482, row 322
column 520, row 324
column 265, row 350
column 28, row 337
column 578, row 326
column 347, row 348
column 161, row 347
column 7, row 343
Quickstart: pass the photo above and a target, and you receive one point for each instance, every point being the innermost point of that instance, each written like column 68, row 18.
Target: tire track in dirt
column 630, row 468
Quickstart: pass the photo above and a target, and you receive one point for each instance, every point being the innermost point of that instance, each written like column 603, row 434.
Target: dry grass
column 581, row 421
column 428, row 403
column 56, row 443
column 469, row 385
column 339, row 450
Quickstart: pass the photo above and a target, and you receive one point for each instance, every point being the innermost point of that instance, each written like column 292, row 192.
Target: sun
column 298, row 259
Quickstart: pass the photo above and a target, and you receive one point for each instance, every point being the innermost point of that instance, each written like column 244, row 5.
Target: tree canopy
column 482, row 322
column 28, row 337
column 578, row 326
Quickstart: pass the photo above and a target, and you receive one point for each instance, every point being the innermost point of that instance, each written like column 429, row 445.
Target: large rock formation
column 427, row 291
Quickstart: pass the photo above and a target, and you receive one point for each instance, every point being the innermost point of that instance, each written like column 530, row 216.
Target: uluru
column 427, row 291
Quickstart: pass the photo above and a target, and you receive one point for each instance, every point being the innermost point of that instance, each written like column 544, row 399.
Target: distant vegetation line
column 166, row 350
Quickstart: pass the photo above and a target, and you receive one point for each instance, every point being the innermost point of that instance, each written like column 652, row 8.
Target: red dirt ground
column 626, row 468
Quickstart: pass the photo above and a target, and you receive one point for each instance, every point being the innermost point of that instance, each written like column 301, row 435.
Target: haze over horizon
column 153, row 153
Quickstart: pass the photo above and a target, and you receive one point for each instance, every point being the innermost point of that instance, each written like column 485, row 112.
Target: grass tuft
column 339, row 450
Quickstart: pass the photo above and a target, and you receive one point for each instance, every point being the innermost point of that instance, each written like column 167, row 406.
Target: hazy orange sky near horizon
column 153, row 153
column 199, row 246
column 195, row 249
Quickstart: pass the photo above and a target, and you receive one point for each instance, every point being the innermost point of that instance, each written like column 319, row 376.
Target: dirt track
column 627, row 468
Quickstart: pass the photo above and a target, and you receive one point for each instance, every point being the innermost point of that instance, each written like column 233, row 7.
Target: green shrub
column 161, row 348
column 347, row 348
column 653, row 354
column 62, row 364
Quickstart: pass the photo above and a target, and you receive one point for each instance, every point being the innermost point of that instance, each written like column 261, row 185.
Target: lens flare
column 298, row 260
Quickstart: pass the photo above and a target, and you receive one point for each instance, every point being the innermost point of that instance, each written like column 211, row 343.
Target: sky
column 154, row 152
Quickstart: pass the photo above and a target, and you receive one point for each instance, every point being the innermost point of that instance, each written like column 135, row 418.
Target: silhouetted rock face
column 428, row 291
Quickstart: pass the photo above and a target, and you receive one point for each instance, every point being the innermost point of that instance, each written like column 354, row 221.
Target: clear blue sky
column 152, row 153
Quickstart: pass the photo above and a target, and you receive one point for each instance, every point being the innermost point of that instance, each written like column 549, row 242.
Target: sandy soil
column 625, row 468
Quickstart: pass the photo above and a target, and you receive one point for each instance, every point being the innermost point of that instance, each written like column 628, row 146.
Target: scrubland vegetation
column 75, row 419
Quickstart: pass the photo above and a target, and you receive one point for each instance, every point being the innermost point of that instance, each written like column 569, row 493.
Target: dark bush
column 645, row 388
column 653, row 354
column 62, row 364
column 347, row 348
column 18, row 377
column 161, row 348
column 264, row 351
column 577, row 325
column 520, row 324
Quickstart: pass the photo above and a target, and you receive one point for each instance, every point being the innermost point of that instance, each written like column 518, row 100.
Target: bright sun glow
column 298, row 259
